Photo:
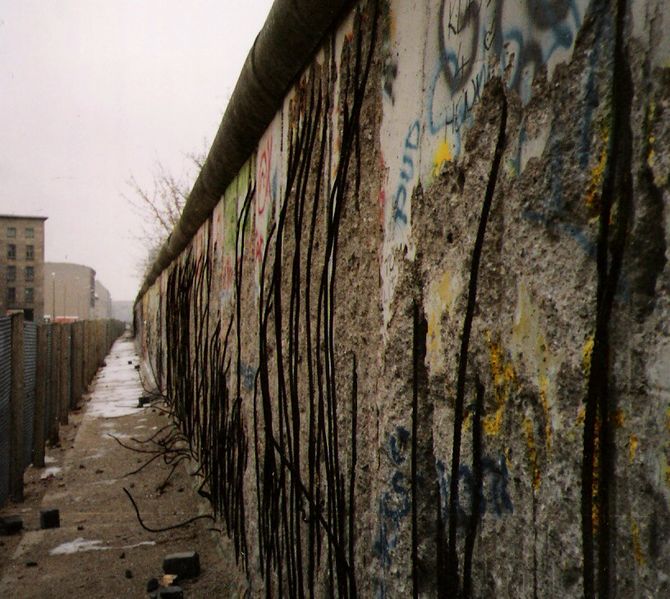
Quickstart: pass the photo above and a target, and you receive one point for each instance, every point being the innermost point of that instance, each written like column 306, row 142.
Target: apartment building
column 22, row 265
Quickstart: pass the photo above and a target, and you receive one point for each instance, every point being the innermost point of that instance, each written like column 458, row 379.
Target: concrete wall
column 421, row 344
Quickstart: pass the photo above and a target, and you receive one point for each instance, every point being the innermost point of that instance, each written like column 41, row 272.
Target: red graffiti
column 228, row 273
column 258, row 247
column 263, row 176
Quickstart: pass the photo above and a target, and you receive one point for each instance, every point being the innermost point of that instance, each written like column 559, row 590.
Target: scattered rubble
column 171, row 593
column 184, row 565
column 49, row 518
column 10, row 525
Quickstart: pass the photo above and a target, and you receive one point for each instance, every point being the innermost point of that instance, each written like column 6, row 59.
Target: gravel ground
column 100, row 549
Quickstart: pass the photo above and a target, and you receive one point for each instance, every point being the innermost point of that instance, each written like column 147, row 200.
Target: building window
column 11, row 251
column 29, row 295
column 30, row 273
column 30, row 252
column 11, row 295
column 11, row 231
column 30, row 232
column 11, row 273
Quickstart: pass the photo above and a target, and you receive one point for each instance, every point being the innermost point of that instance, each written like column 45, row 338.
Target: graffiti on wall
column 467, row 42
column 394, row 504
column 226, row 216
column 268, row 173
column 395, row 501
column 494, row 497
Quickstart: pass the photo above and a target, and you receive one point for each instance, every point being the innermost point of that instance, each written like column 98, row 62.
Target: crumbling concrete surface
column 421, row 345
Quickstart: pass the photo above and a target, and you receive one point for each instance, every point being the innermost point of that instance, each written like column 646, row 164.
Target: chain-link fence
column 44, row 370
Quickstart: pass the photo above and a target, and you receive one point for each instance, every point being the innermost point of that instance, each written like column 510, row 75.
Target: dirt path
column 100, row 550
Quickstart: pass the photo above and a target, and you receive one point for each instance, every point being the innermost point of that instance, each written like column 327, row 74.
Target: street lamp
column 53, row 296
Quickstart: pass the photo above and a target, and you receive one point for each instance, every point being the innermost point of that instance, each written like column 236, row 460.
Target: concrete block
column 171, row 592
column 143, row 400
column 184, row 565
column 10, row 525
column 49, row 518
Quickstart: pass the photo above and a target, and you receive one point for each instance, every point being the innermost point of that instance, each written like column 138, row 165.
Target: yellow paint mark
column 592, row 196
column 467, row 420
column 581, row 415
column 587, row 352
column 434, row 339
column 618, row 418
column 442, row 154
column 442, row 296
column 530, row 344
column 504, row 379
column 532, row 452
column 493, row 422
column 651, row 158
column 633, row 444
column 637, row 546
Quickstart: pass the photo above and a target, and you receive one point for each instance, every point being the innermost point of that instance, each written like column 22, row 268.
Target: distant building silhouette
column 122, row 310
column 103, row 302
column 69, row 290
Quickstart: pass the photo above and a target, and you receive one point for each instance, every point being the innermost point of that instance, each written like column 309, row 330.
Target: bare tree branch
column 159, row 208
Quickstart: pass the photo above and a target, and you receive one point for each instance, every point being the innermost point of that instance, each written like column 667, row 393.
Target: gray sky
column 94, row 91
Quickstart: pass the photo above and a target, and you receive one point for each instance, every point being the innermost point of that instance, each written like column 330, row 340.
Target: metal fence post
column 86, row 360
column 64, row 400
column 54, row 395
column 16, row 412
column 40, row 397
column 77, row 362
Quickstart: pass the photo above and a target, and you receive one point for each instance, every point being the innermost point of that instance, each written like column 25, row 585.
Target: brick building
column 22, row 265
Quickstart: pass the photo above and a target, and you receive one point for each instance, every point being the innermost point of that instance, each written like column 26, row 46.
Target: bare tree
column 160, row 206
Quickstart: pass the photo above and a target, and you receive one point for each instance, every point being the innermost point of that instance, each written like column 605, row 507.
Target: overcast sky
column 93, row 92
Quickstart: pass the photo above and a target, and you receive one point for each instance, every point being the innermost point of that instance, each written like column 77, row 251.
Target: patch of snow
column 77, row 546
column 80, row 545
column 94, row 456
column 117, row 388
column 138, row 544
column 50, row 471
